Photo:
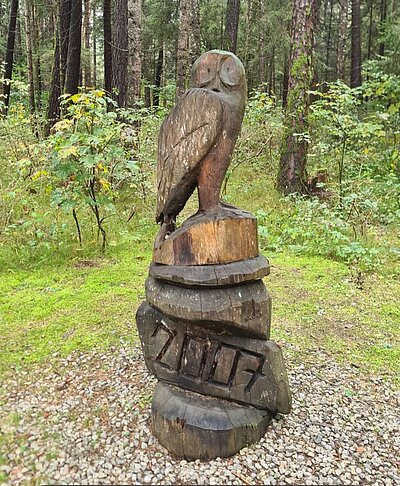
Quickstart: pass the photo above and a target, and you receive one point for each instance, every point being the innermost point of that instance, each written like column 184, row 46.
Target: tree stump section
column 221, row 235
column 205, row 325
column 193, row 426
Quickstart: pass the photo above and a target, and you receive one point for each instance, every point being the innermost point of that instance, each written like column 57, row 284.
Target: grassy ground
column 88, row 302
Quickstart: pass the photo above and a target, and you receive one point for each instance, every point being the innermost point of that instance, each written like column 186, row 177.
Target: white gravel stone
column 85, row 419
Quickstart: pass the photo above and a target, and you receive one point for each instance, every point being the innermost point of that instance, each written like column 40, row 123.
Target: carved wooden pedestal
column 205, row 331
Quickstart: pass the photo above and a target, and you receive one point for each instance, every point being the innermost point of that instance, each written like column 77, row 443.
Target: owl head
column 220, row 72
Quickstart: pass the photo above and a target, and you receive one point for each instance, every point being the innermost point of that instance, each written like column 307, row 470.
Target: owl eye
column 230, row 72
column 205, row 73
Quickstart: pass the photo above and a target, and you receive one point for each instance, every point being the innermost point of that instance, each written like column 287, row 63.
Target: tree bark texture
column 107, row 46
column 120, row 52
column 9, row 59
column 158, row 75
column 135, row 50
column 232, row 25
column 342, row 37
column 355, row 73
column 383, row 9
column 94, row 40
column 292, row 170
column 37, row 55
column 53, row 108
column 74, row 48
column 182, row 55
column 29, row 54
column 86, row 39
column 65, row 20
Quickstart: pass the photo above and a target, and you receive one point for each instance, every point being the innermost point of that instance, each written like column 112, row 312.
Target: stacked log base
column 193, row 426
column 205, row 335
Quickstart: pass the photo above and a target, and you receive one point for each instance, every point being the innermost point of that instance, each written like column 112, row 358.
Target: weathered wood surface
column 245, row 370
column 244, row 309
column 197, row 138
column 212, row 275
column 221, row 235
column 197, row 427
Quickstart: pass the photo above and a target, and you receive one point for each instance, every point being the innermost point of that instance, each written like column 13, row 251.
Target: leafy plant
column 91, row 159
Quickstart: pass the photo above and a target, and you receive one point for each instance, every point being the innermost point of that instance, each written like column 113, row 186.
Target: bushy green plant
column 91, row 159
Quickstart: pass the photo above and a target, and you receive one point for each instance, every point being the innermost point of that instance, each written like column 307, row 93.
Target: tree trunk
column 158, row 75
column 182, row 55
column 86, row 44
column 107, row 46
column 262, row 62
column 285, row 82
column 53, row 108
column 9, row 60
column 65, row 21
column 74, row 48
column 94, row 40
column 38, row 62
column 29, row 54
column 382, row 26
column 271, row 82
column 355, row 73
column 328, row 43
column 232, row 25
column 135, row 50
column 371, row 11
column 120, row 52
column 342, row 37
column 194, row 31
column 292, row 170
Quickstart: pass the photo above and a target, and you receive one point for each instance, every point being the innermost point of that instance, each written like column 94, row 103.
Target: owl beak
column 216, row 86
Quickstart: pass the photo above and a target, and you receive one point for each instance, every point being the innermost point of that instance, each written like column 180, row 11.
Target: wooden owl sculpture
column 197, row 139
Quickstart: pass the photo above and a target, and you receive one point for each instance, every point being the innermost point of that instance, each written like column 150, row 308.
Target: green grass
column 61, row 302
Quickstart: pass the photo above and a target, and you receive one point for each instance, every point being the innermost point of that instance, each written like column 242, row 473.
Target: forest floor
column 75, row 396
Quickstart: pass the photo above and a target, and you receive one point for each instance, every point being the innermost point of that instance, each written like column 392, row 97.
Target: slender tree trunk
column 107, row 46
column 65, row 21
column 53, row 108
column 342, row 37
column 182, row 55
column 232, row 25
column 262, row 62
column 38, row 62
column 9, row 60
column 285, row 82
column 86, row 38
column 94, row 41
column 292, row 170
column 383, row 9
column 29, row 54
column 271, row 82
column 120, row 52
column 328, row 43
column 355, row 74
column 194, row 31
column 371, row 11
column 135, row 50
column 74, row 48
column 158, row 75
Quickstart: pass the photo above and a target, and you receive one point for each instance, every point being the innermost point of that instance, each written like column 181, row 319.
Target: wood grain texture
column 221, row 235
column 244, row 309
column 212, row 275
column 197, row 427
column 245, row 370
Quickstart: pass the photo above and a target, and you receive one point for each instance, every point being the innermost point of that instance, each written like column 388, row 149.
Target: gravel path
column 85, row 420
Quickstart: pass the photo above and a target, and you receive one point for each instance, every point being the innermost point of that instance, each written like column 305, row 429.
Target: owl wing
column 186, row 136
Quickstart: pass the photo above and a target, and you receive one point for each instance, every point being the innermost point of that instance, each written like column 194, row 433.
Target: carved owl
column 197, row 138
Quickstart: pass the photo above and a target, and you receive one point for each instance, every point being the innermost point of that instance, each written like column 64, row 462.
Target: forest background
column 86, row 85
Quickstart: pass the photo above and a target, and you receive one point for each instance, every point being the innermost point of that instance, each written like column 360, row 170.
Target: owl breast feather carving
column 197, row 138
